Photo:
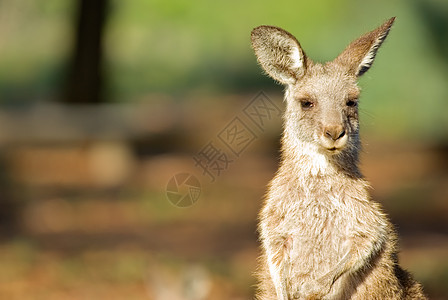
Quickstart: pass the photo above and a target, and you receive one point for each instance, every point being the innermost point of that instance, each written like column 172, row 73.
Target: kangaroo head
column 321, row 99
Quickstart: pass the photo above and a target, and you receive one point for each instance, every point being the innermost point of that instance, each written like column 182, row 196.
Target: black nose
column 334, row 132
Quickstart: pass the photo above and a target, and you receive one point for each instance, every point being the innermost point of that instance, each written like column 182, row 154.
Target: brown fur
column 322, row 236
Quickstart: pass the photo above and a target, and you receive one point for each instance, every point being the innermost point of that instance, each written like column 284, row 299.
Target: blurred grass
column 185, row 48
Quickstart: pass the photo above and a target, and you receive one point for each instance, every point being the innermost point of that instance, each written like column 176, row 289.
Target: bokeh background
column 103, row 102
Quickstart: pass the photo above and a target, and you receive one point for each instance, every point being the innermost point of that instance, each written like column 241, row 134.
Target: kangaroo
column 322, row 236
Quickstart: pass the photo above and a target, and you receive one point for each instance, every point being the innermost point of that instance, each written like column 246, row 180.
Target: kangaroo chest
column 319, row 228
column 319, row 224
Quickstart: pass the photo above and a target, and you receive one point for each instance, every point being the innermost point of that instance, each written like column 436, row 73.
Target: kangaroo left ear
column 359, row 55
column 279, row 53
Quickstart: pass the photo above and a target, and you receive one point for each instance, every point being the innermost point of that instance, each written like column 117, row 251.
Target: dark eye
column 306, row 104
column 352, row 103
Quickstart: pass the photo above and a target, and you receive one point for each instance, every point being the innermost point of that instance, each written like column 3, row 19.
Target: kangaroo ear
column 359, row 55
column 279, row 53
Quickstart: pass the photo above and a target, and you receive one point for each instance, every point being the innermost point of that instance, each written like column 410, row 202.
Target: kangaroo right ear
column 279, row 53
column 360, row 54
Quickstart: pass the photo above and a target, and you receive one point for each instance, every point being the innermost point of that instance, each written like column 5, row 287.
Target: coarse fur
column 322, row 236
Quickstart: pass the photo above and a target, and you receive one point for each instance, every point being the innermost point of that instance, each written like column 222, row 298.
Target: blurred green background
column 102, row 103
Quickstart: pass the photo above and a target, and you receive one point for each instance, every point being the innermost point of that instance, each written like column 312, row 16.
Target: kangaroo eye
column 306, row 104
column 352, row 103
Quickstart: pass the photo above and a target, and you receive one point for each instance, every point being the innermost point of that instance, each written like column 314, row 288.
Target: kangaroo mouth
column 333, row 148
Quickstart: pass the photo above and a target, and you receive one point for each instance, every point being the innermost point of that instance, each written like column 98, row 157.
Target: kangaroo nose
column 334, row 132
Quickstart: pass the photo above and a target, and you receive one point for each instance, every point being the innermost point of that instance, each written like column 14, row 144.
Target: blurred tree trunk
column 10, row 204
column 85, row 79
